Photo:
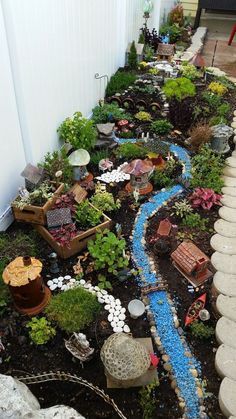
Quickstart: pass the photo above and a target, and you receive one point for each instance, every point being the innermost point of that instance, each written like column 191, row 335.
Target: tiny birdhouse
column 191, row 262
column 33, row 176
column 139, row 171
column 165, row 52
column 23, row 277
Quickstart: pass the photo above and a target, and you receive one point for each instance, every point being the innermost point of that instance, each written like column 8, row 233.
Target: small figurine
column 78, row 346
column 54, row 268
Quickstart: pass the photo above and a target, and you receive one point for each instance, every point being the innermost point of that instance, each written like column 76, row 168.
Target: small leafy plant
column 37, row 197
column 78, row 131
column 201, row 331
column 189, row 71
column 57, row 162
column 41, row 330
column 87, row 216
column 174, row 31
column 148, row 400
column 143, row 116
column 103, row 283
column 64, row 234
column 204, row 198
column 108, row 251
column 161, row 180
column 179, row 89
column 213, row 100
column 120, row 81
column 104, row 201
column 109, row 112
column 161, row 127
column 194, row 220
column 66, row 201
column 182, row 208
column 217, row 88
column 97, row 156
column 153, row 71
column 205, row 175
column 73, row 309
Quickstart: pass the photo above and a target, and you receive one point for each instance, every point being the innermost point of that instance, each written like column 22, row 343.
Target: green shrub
column 217, row 88
column 109, row 112
column 174, row 31
column 214, row 101
column 104, row 201
column 148, row 53
column 78, row 131
column 141, row 39
column 201, row 331
column 182, row 208
column 224, row 109
column 161, row 127
column 207, row 170
column 179, row 88
column 216, row 120
column 132, row 57
column 108, row 252
column 161, row 180
column 86, row 216
column 120, row 81
column 189, row 71
column 131, row 151
column 55, row 162
column 72, row 310
column 41, row 330
column 97, row 156
column 153, row 71
column 143, row 116
column 194, row 220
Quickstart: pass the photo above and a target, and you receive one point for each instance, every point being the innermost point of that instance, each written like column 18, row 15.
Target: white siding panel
column 166, row 6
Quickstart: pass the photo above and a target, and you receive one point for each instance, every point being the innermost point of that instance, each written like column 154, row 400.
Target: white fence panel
column 166, row 6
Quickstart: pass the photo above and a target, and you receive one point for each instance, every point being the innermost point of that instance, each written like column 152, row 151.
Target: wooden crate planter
column 34, row 214
column 78, row 243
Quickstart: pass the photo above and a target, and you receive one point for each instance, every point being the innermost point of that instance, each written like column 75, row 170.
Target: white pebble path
column 224, row 284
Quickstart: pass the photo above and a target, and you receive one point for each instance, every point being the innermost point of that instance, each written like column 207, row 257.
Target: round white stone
column 117, row 329
column 229, row 181
column 97, row 288
column 225, row 361
column 120, row 323
column 99, row 294
column 86, row 286
column 107, row 307
column 111, row 298
column 126, row 328
column 55, row 280
column 60, row 278
column 226, row 332
column 111, row 310
column 115, row 318
column 231, row 161
column 82, row 282
column 228, row 214
column 228, row 190
column 110, row 317
column 104, row 292
column 50, row 282
column 225, row 283
column 113, row 304
column 100, row 300
column 59, row 285
column 229, row 171
column 113, row 324
column 64, row 287
column 226, row 306
column 228, row 201
column 67, row 277
column 227, row 399
column 117, row 301
column 122, row 316
column 224, row 263
column 123, row 310
column 53, row 287
column 117, row 312
column 222, row 244
column 72, row 280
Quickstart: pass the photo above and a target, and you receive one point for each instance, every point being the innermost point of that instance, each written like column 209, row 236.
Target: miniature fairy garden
column 106, row 271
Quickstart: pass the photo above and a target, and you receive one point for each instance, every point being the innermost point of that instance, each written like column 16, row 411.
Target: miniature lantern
column 221, row 135
column 136, row 308
column 191, row 262
column 139, row 171
column 79, row 160
column 29, row 293
column 124, row 358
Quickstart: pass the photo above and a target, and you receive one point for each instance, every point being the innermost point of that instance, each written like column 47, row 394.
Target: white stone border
column 196, row 45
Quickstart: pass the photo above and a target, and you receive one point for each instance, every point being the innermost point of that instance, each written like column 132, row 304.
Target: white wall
column 55, row 47
column 12, row 157
column 166, row 6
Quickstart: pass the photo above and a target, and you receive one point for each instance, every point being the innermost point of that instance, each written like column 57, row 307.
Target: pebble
column 53, row 287
column 126, row 328
column 60, row 278
column 101, row 300
column 122, row 316
column 117, row 329
column 110, row 317
column 113, row 324
column 120, row 323
column 67, row 277
column 118, row 302
column 194, row 373
column 104, row 292
column 82, row 281
column 115, row 318
column 55, row 280
column 111, row 310
column 50, row 282
column 73, row 280
column 116, row 313
column 107, row 307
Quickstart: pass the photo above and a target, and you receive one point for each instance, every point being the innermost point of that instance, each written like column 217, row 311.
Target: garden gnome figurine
column 54, row 268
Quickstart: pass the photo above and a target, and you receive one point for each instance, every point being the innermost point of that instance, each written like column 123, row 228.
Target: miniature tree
column 132, row 58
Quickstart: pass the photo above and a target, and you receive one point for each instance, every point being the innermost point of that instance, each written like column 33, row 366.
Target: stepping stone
column 229, row 171
column 231, row 161
column 225, row 361
column 225, row 228
column 228, row 214
column 226, row 245
column 228, row 201
column 225, row 283
column 226, row 332
column 226, row 306
column 227, row 399
column 229, row 181
column 229, row 190
column 224, row 263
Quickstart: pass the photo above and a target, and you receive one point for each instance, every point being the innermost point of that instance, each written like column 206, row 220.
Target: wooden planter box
column 34, row 214
column 78, row 243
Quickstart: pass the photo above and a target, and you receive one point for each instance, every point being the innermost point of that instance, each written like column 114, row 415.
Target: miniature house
column 25, row 283
column 139, row 171
column 79, row 160
column 191, row 262
column 33, row 176
column 139, row 49
column 164, row 228
column 165, row 52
